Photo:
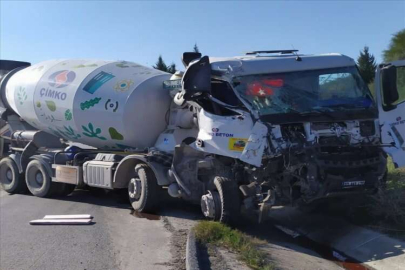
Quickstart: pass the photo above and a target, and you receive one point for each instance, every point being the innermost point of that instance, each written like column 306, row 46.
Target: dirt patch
column 178, row 245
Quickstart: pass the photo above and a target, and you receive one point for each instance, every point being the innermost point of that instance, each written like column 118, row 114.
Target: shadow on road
column 118, row 199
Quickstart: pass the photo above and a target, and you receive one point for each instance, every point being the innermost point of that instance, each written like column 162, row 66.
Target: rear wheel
column 143, row 190
column 10, row 178
column 39, row 181
column 65, row 189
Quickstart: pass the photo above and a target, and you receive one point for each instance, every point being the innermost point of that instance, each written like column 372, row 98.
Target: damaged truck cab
column 294, row 129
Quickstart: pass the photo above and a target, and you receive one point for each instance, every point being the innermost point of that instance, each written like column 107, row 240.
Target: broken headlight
column 367, row 128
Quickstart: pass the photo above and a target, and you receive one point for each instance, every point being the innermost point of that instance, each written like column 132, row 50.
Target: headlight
column 367, row 128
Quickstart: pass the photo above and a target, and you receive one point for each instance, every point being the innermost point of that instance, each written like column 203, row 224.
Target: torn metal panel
column 256, row 143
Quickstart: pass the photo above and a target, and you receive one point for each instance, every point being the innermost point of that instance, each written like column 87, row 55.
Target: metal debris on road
column 68, row 217
column 63, row 220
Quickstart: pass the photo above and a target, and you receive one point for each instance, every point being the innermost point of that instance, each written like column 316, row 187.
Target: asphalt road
column 115, row 240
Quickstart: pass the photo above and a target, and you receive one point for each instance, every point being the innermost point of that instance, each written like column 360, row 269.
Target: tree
column 161, row 65
column 196, row 48
column 172, row 68
column 367, row 65
column 396, row 49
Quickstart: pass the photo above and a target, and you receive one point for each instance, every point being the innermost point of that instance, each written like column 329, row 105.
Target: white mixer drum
column 105, row 104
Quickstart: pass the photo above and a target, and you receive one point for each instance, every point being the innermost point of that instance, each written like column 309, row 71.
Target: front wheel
column 143, row 190
column 10, row 178
column 222, row 204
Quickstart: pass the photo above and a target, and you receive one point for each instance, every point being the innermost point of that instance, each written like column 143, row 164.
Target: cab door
column 390, row 90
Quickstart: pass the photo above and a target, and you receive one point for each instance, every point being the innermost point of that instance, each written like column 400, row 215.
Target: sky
column 140, row 31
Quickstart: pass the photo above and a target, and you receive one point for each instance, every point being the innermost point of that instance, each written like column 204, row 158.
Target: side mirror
column 389, row 84
column 197, row 78
column 188, row 57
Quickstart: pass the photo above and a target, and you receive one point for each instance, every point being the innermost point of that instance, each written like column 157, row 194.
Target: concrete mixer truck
column 232, row 134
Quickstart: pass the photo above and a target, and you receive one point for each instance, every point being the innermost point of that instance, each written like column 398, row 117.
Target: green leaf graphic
column 89, row 132
column 51, row 105
column 115, row 135
column 89, row 103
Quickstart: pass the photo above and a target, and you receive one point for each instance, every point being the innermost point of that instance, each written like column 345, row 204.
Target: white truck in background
column 240, row 133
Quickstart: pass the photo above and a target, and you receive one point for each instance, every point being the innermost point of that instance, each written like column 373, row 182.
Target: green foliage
column 396, row 49
column 160, row 64
column 195, row 49
column 219, row 234
column 367, row 65
column 372, row 89
column 396, row 177
column 172, row 68
column 387, row 207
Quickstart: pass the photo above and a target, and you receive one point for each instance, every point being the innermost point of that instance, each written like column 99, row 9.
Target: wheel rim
column 35, row 178
column 39, row 178
column 135, row 189
column 211, row 205
column 9, row 176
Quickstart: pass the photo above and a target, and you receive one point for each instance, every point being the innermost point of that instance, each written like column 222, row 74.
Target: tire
column 11, row 179
column 64, row 189
column 230, row 200
column 38, row 180
column 143, row 190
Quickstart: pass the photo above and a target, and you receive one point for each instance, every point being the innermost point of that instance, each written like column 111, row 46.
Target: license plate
column 348, row 184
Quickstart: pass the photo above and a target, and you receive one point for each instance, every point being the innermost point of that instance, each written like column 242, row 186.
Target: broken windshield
column 336, row 89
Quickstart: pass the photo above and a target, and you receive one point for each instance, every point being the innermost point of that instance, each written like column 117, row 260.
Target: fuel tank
column 105, row 104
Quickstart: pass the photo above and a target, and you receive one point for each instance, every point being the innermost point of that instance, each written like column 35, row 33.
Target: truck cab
column 300, row 127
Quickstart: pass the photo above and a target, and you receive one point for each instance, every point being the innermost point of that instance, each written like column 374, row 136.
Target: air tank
column 105, row 104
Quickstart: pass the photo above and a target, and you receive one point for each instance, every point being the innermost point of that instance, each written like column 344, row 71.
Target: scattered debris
column 68, row 217
column 63, row 220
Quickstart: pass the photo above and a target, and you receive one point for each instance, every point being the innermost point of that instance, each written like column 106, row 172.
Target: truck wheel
column 39, row 182
column 143, row 190
column 64, row 189
column 11, row 179
column 222, row 204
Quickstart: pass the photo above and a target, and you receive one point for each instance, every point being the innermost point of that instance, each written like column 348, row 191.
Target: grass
column 396, row 177
column 222, row 235
column 387, row 207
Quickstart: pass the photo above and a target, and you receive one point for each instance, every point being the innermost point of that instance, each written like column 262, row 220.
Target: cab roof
column 262, row 64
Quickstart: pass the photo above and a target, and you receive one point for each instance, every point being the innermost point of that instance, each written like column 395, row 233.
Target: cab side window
column 400, row 87
column 222, row 91
column 400, row 84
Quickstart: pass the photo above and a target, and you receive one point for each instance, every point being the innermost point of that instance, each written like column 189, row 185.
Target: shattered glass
column 325, row 90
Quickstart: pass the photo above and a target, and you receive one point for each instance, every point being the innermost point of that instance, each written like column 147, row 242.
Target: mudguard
column 126, row 170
